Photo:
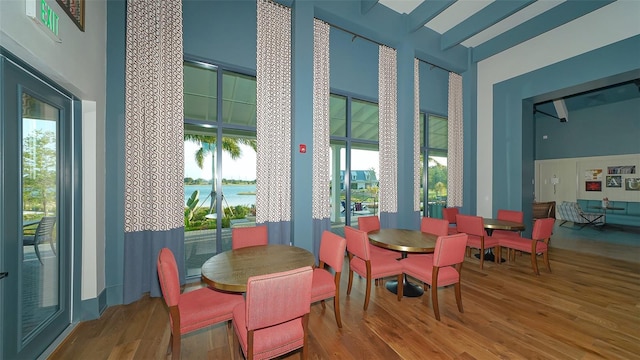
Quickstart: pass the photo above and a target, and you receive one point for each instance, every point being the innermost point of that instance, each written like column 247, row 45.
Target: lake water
column 231, row 194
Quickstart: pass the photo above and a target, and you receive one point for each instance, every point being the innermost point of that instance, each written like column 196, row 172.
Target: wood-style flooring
column 587, row 308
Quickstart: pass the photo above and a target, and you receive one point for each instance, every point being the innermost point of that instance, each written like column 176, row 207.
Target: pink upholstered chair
column 273, row 319
column 192, row 310
column 249, row 236
column 478, row 238
column 539, row 242
column 434, row 226
column 326, row 285
column 508, row 215
column 449, row 214
column 368, row 264
column 372, row 223
column 440, row 270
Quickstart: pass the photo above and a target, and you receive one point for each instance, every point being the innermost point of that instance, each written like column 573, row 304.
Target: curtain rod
column 379, row 43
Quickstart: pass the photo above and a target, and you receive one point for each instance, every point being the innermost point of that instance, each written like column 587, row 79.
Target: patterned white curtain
column 273, row 86
column 321, row 205
column 321, row 147
column 455, row 142
column 416, row 135
column 388, row 114
column 154, row 179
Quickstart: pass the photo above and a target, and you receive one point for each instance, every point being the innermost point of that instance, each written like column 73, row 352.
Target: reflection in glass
column 40, row 265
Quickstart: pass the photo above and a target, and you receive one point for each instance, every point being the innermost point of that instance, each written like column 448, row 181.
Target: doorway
column 35, row 291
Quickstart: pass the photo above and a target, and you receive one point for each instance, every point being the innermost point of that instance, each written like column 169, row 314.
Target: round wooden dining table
column 405, row 241
column 230, row 270
column 497, row 224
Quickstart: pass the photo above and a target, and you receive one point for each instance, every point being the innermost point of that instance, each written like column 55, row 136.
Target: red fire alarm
column 303, row 149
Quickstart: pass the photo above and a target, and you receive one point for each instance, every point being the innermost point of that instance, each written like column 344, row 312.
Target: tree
column 207, row 144
column 39, row 171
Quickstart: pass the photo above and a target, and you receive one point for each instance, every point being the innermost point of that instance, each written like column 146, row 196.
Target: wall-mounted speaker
column 561, row 109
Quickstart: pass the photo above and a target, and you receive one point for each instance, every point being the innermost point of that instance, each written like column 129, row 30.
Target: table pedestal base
column 489, row 256
column 408, row 289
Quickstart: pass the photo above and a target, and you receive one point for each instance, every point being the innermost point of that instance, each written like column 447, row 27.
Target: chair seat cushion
column 381, row 266
column 323, row 285
column 196, row 310
column 272, row 341
column 522, row 244
column 421, row 267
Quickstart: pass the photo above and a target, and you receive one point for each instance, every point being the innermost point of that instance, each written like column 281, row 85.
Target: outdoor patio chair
column 44, row 233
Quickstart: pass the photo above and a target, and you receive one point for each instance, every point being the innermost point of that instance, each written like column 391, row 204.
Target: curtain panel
column 388, row 123
column 273, row 128
column 321, row 178
column 154, row 195
column 416, row 135
column 455, row 154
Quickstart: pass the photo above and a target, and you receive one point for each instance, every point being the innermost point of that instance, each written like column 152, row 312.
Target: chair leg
column 434, row 301
column 350, row 282
column 400, row 287
column 336, row 309
column 52, row 247
column 170, row 346
column 458, row 296
column 481, row 258
column 175, row 353
column 368, row 293
column 545, row 256
column 37, row 248
column 534, row 263
column 323, row 304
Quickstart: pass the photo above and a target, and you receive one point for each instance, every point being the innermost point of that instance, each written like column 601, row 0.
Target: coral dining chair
column 508, row 215
column 449, row 214
column 442, row 269
column 539, row 242
column 367, row 264
column 325, row 284
column 478, row 238
column 434, row 226
column 249, row 236
column 192, row 310
column 273, row 320
column 372, row 223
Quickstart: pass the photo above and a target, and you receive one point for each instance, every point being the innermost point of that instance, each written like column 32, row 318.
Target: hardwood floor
column 587, row 308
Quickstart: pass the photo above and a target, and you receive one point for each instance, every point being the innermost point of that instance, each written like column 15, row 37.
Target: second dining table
column 230, row 270
column 498, row 224
column 404, row 241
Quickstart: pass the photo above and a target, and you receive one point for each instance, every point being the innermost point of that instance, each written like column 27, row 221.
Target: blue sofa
column 629, row 216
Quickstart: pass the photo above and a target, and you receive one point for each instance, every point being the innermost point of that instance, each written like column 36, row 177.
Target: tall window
column 354, row 151
column 433, row 147
column 220, row 159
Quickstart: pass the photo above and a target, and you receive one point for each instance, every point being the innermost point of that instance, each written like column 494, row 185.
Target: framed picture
column 593, row 185
column 593, row 174
column 75, row 10
column 632, row 184
column 628, row 169
column 614, row 181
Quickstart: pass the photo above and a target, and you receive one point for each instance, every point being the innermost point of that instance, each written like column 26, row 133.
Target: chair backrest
column 249, row 236
column 542, row 228
column 277, row 298
column 470, row 224
column 450, row 213
column 357, row 242
column 332, row 248
column 511, row 215
column 168, row 276
column 434, row 226
column 45, row 228
column 368, row 223
column 450, row 249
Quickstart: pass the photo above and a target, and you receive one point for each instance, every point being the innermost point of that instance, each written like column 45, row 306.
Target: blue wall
column 611, row 129
column 513, row 125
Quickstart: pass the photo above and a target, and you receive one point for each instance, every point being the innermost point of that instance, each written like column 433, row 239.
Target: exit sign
column 40, row 12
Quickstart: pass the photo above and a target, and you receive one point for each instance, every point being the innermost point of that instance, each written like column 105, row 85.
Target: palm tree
column 207, row 145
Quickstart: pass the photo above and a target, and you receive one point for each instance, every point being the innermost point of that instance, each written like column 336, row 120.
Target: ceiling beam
column 426, row 11
column 549, row 20
column 366, row 5
column 488, row 16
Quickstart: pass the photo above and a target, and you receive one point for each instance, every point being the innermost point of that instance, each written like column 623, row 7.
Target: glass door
column 35, row 244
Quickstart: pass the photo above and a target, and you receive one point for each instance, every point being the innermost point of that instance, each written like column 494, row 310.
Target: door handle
column 3, row 275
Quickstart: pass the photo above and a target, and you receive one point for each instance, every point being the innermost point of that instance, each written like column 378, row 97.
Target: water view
column 233, row 194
